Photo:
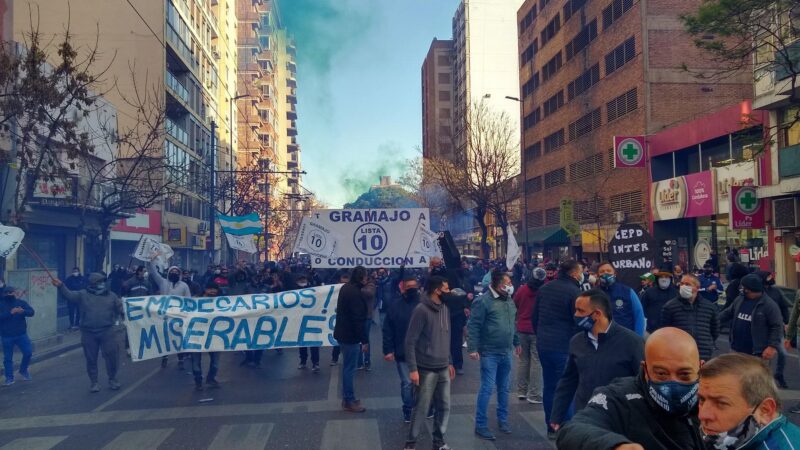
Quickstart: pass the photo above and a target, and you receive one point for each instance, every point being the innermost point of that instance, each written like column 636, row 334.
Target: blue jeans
column 197, row 366
column 553, row 364
column 24, row 343
column 350, row 356
column 364, row 358
column 406, row 388
column 495, row 371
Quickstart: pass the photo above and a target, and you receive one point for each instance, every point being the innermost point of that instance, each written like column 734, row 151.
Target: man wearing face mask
column 14, row 333
column 601, row 352
column 768, row 280
column 100, row 310
column 710, row 283
column 172, row 285
column 75, row 282
column 740, row 407
column 529, row 372
column 491, row 338
column 624, row 301
column 694, row 315
column 395, row 326
column 755, row 321
column 655, row 410
column 139, row 285
column 654, row 299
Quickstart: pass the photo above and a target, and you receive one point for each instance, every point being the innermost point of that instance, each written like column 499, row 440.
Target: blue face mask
column 675, row 398
column 585, row 323
column 607, row 279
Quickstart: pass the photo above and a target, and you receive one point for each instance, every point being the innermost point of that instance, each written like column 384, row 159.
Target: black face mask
column 412, row 293
column 174, row 277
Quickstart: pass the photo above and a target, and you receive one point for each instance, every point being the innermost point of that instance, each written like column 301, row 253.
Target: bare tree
column 425, row 191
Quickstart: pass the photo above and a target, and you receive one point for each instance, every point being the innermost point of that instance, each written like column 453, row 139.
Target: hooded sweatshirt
column 428, row 337
column 99, row 307
column 167, row 287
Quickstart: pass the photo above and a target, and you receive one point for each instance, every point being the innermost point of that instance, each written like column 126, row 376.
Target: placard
column 632, row 252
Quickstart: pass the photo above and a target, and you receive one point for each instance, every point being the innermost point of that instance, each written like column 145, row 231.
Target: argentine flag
column 240, row 225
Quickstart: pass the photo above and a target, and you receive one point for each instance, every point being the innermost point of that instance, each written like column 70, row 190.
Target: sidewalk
column 53, row 346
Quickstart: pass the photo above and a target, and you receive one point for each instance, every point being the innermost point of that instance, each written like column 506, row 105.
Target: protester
column 427, row 352
column 365, row 357
column 710, row 283
column 344, row 278
column 75, row 282
column 693, row 314
column 654, row 298
column 101, row 310
column 529, row 371
column 211, row 290
column 756, row 326
column 768, row 280
column 194, row 287
column 646, row 281
column 601, row 352
column 553, row 320
column 14, row 333
column 656, row 409
column 172, row 285
column 740, row 407
column 349, row 332
column 395, row 326
column 625, row 302
column 139, row 285
column 736, row 271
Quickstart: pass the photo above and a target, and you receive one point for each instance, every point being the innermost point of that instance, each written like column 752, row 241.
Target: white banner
column 316, row 239
column 243, row 243
column 166, row 325
column 513, row 252
column 150, row 250
column 371, row 238
column 10, row 240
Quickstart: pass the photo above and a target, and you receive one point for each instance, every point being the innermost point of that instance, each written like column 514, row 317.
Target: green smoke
column 389, row 161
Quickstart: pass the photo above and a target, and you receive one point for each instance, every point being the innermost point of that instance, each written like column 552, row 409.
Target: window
column 532, row 119
column 553, row 103
column 542, row 4
column 528, row 19
column 552, row 216
column 624, row 104
column 443, row 60
column 628, row 202
column 585, row 125
column 444, row 78
column 444, row 113
column 581, row 84
column 790, row 127
column 586, row 167
column 551, row 29
column 614, row 11
column 551, row 67
column 530, row 85
column 554, row 141
column 533, row 151
column 534, row 184
column 445, row 130
column 535, row 219
column 529, row 52
column 620, row 55
column 571, row 7
column 588, row 210
column 444, row 96
column 587, row 34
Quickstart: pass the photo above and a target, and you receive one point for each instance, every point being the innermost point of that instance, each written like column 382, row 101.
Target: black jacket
column 12, row 325
column 623, row 412
column 351, row 315
column 554, row 312
column 698, row 319
column 766, row 326
column 776, row 295
column 653, row 302
column 619, row 354
column 395, row 326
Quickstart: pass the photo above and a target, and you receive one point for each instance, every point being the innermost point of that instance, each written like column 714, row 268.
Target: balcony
column 176, row 132
column 291, row 67
column 246, row 13
column 785, row 62
column 291, row 97
column 291, row 130
column 789, row 161
column 291, row 82
column 265, row 103
column 291, row 114
column 248, row 40
column 176, row 87
column 264, row 55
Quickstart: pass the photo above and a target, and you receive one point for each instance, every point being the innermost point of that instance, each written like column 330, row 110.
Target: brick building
column 589, row 71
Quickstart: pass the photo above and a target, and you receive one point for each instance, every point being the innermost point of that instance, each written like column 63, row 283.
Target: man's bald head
column 671, row 354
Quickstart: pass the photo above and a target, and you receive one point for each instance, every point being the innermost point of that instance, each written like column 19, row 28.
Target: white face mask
column 687, row 291
column 509, row 289
column 592, row 280
column 664, row 283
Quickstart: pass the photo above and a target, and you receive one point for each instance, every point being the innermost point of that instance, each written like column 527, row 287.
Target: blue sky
column 359, row 105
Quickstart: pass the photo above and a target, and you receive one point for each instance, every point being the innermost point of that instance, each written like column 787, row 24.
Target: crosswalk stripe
column 34, row 443
column 357, row 434
column 149, row 439
column 242, row 437
column 462, row 435
column 536, row 420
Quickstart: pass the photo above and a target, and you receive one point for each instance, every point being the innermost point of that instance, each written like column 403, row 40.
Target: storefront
column 125, row 235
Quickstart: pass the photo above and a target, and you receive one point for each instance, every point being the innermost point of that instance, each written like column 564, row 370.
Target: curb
column 54, row 352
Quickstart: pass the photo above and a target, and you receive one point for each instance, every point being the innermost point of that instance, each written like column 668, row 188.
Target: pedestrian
column 172, row 285
column 710, row 283
column 553, row 319
column 14, row 333
column 602, row 351
column 336, row 351
column 529, row 371
column 75, row 282
column 194, row 287
column 395, row 326
column 657, row 409
column 625, row 302
column 101, row 310
column 350, row 333
column 740, row 407
column 768, row 280
column 211, row 290
column 654, row 298
column 427, row 352
column 693, row 314
column 756, row 326
column 139, row 285
column 364, row 358
column 736, row 271
column 646, row 281
column 302, row 283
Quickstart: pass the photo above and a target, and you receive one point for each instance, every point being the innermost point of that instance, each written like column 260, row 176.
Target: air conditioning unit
column 202, row 228
column 618, row 216
column 785, row 213
column 198, row 241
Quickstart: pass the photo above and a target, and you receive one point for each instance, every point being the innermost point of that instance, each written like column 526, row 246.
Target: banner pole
column 38, row 260
column 410, row 243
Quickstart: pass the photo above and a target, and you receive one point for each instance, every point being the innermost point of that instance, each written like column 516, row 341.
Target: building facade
column 589, row 71
column 437, row 101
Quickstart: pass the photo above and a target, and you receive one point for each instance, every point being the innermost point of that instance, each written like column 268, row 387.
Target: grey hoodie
column 428, row 338
column 99, row 309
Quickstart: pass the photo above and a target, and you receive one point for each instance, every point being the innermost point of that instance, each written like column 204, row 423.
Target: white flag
column 513, row 253
column 10, row 240
column 243, row 243
column 428, row 242
column 153, row 251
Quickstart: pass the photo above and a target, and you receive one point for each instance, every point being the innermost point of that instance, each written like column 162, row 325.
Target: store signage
column 667, row 248
column 175, row 236
column 60, row 188
column 684, row 196
column 632, row 252
column 143, row 222
column 700, row 192
column 726, row 177
column 702, row 252
column 629, row 152
column 747, row 211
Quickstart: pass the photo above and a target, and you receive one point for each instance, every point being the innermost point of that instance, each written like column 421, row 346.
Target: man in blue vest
column 625, row 304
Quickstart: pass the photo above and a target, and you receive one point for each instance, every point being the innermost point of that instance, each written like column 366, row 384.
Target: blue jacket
column 705, row 282
column 626, row 308
column 780, row 434
column 12, row 325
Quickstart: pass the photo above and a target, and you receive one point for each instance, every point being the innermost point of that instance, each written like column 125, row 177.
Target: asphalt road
column 274, row 407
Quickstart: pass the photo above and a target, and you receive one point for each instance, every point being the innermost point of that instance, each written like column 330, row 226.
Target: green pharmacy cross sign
column 746, row 212
column 629, row 151
column 746, row 201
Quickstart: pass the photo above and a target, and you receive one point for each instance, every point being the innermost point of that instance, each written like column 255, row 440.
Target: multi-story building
column 437, row 101
column 589, row 71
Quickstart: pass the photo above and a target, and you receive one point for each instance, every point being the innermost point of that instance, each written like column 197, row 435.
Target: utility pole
column 213, row 209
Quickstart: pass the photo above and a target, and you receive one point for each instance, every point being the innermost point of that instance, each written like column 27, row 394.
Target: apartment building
column 589, row 71
column 437, row 100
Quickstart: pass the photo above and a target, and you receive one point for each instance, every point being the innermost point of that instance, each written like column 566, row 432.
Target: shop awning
column 552, row 235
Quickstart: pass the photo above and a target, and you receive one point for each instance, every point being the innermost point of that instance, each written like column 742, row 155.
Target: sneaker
column 484, row 433
column 301, row 366
column 334, row 362
column 534, row 400
column 368, row 367
column 25, row 375
column 504, row 427
column 95, row 387
column 8, row 382
column 354, row 407
column 522, row 396
column 212, row 383
column 781, row 382
column 407, row 417
column 114, row 384
column 430, row 415
column 360, row 367
column 442, row 446
column 315, row 368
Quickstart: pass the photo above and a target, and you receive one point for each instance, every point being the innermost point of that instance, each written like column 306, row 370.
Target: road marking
column 356, row 434
column 34, row 443
column 149, row 439
column 127, row 390
column 536, row 420
column 464, row 437
column 242, row 437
